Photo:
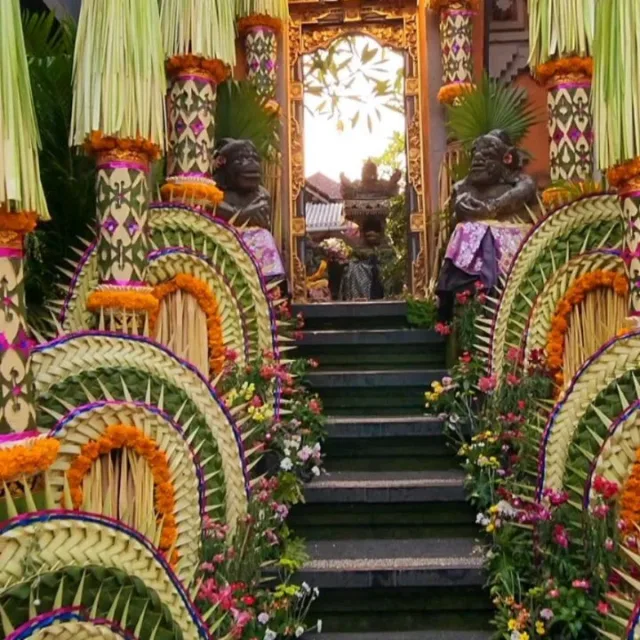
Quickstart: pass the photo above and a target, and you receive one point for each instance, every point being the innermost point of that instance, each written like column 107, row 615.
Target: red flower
column 312, row 363
column 230, row 355
column 465, row 357
column 603, row 608
column 560, row 536
column 512, row 380
column 249, row 600
column 463, row 298
column 486, row 384
column 514, row 354
column 605, row 488
column 443, row 328
column 315, row 406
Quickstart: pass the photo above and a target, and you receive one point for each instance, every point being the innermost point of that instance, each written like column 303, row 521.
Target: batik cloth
column 265, row 251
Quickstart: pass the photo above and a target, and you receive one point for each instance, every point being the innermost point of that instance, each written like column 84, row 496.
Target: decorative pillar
column 568, row 81
column 191, row 105
column 260, row 38
column 119, row 118
column 456, row 32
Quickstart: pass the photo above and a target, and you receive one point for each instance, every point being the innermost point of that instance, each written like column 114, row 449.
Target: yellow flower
column 524, row 636
column 540, row 630
column 490, row 528
column 493, row 509
column 513, row 625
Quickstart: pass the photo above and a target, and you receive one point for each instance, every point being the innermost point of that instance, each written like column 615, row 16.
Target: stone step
column 362, row 337
column 363, row 564
column 379, row 309
column 386, row 487
column 403, row 635
column 384, row 427
column 338, row 379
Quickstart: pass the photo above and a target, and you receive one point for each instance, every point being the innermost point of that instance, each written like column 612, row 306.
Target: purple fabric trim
column 578, row 84
column 85, row 408
column 12, row 254
column 459, row 12
column 196, row 77
column 27, row 519
column 193, row 174
column 126, row 283
column 16, row 437
column 187, row 365
column 558, row 406
column 629, row 194
column 261, row 29
column 124, row 164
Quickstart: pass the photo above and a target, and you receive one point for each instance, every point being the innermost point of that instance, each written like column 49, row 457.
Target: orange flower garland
column 622, row 173
column 573, row 297
column 22, row 222
column 126, row 299
column 630, row 498
column 259, row 20
column 207, row 302
column 121, row 436
column 573, row 66
column 97, row 142
column 27, row 459
column 216, row 69
column 560, row 195
column 450, row 92
column 440, row 5
column 191, row 192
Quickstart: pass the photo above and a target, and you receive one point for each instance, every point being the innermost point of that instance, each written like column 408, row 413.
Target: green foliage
column 67, row 177
column 491, row 105
column 330, row 76
column 422, row 312
column 241, row 113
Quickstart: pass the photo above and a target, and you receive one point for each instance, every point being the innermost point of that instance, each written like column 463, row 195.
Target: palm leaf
column 491, row 105
column 241, row 113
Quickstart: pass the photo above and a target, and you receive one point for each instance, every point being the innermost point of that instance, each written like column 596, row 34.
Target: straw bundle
column 119, row 80
column 200, row 27
column 273, row 8
column 616, row 90
column 591, row 324
column 182, row 327
column 560, row 29
column 20, row 187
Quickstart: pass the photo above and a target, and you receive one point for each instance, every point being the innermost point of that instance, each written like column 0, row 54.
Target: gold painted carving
column 419, row 273
column 385, row 35
column 415, row 154
column 297, row 91
column 411, row 36
column 298, row 226
column 299, row 281
column 417, row 222
column 297, row 160
column 412, row 86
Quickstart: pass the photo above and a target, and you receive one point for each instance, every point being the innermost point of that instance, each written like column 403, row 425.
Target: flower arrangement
column 209, row 305
column 119, row 436
column 259, row 20
column 449, row 93
column 98, row 143
column 21, row 460
column 572, row 66
column 573, row 297
column 217, row 69
column 128, row 299
column 630, row 498
column 191, row 192
column 336, row 250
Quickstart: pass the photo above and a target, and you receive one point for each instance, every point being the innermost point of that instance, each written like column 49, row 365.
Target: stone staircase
column 389, row 533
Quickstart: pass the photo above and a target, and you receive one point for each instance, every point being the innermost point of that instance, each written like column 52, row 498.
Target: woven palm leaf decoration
column 119, row 90
column 72, row 568
column 115, row 358
column 551, row 243
column 20, row 187
column 560, row 29
column 273, row 8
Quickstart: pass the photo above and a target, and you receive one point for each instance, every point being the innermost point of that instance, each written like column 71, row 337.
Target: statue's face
column 487, row 161
column 244, row 170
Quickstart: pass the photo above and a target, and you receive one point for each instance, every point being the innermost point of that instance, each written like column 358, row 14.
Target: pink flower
column 463, row 298
column 443, row 328
column 601, row 511
column 466, row 357
column 487, row 384
column 315, row 406
column 554, row 593
column 230, row 355
column 581, row 584
column 556, row 498
column 513, row 354
column 256, row 401
column 560, row 536
column 605, row 488
column 312, row 363
column 512, row 380
column 603, row 608
column 609, row 545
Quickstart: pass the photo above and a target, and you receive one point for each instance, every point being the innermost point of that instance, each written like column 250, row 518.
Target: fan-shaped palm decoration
column 491, row 105
column 243, row 114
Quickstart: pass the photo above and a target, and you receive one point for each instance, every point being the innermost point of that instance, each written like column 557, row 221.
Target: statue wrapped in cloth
column 239, row 174
column 486, row 206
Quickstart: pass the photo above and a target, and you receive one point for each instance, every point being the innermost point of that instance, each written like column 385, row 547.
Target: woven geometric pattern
column 42, row 542
column 555, row 288
column 87, row 424
column 175, row 226
column 456, row 30
column 55, row 361
column 631, row 209
column 76, row 631
column 570, row 131
column 17, row 412
column 618, row 357
column 165, row 266
column 261, row 50
column 552, row 242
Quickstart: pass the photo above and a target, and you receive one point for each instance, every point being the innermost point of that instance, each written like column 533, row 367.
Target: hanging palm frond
column 488, row 106
column 242, row 113
column 198, row 27
column 119, row 79
column 560, row 29
column 20, row 187
column 273, row 8
column 616, row 90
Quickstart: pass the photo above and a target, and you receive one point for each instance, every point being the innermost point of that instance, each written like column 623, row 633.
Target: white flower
column 316, row 592
column 270, row 635
column 263, row 618
column 515, row 635
column 482, row 520
column 306, row 588
column 286, row 464
column 319, row 626
column 506, row 509
column 305, row 453
column 315, row 470
column 317, row 447
column 299, row 631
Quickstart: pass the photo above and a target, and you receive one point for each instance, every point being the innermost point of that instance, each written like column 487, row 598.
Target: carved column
column 17, row 411
column 568, row 81
column 191, row 107
column 456, row 29
column 260, row 38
